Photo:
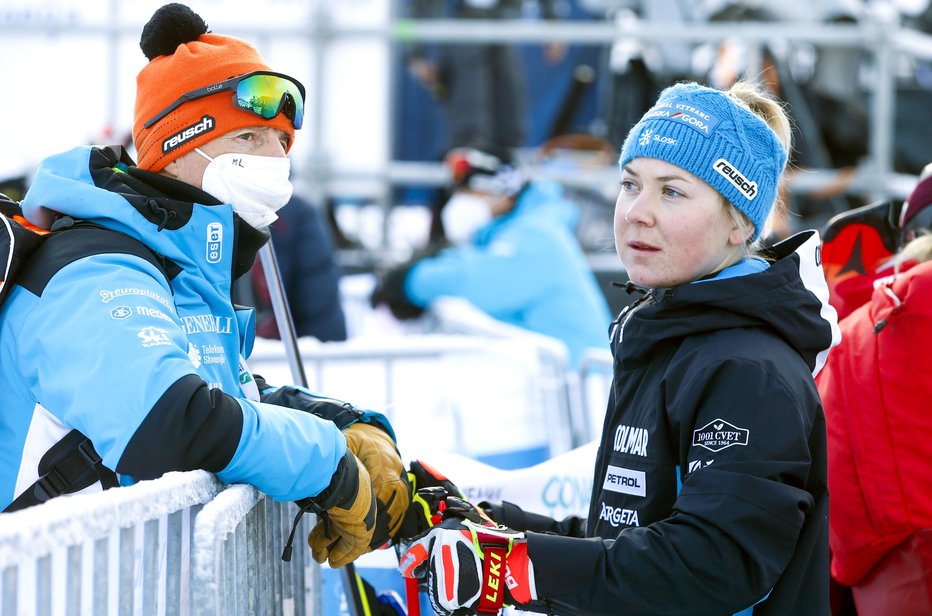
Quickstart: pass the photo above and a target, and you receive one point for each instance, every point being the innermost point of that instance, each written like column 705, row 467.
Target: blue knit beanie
column 717, row 139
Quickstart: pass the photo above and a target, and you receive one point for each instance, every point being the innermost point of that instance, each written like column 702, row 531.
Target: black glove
column 390, row 290
column 371, row 443
column 346, row 521
column 428, row 488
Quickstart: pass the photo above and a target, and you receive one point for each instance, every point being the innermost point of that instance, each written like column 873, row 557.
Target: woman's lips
column 642, row 247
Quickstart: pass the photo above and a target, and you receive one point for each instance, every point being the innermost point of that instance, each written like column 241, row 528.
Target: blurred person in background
column 709, row 487
column 640, row 69
column 513, row 255
column 123, row 355
column 876, row 388
column 480, row 86
column 310, row 276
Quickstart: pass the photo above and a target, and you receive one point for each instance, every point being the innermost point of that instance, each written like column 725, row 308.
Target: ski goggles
column 263, row 93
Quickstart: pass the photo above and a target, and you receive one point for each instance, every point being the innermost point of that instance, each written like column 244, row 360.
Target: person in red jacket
column 875, row 388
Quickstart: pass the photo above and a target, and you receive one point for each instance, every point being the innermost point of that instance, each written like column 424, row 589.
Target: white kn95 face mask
column 463, row 215
column 256, row 186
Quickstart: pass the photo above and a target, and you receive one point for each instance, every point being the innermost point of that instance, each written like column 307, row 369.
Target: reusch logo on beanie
column 727, row 170
column 178, row 139
column 709, row 134
column 184, row 56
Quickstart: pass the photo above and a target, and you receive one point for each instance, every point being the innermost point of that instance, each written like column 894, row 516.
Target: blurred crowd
column 524, row 95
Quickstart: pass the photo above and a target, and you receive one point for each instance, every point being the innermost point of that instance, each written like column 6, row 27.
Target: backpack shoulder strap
column 71, row 465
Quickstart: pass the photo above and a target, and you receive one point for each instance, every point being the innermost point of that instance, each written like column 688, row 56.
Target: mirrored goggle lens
column 265, row 96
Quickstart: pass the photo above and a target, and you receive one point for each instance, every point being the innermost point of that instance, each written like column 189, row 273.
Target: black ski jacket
column 709, row 494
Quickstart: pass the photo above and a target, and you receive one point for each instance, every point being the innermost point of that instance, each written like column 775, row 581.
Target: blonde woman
column 709, row 491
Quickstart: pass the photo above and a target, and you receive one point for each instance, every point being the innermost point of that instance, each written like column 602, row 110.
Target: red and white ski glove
column 471, row 568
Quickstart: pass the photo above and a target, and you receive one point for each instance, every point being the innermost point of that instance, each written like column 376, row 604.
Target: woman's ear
column 740, row 234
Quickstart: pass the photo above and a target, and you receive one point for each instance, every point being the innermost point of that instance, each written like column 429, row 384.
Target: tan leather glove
column 376, row 450
column 344, row 530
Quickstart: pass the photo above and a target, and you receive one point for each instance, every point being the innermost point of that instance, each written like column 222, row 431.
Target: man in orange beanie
column 164, row 131
column 141, row 260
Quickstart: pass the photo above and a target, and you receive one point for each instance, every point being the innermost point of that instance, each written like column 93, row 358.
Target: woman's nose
column 639, row 211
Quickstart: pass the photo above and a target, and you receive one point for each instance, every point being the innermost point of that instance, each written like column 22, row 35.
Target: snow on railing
column 181, row 544
column 119, row 551
column 238, row 541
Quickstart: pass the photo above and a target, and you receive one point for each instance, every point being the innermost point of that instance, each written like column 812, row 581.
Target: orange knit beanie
column 184, row 57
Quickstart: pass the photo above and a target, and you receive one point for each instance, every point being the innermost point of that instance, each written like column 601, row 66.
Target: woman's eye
column 627, row 185
column 670, row 192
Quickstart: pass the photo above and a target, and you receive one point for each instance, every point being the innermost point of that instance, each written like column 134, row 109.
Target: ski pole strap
column 493, row 578
column 72, row 464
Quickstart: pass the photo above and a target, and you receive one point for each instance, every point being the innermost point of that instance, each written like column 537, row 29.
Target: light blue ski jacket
column 150, row 367
column 525, row 268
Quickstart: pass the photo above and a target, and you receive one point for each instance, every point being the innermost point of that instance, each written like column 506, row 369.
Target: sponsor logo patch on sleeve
column 618, row 516
column 719, row 434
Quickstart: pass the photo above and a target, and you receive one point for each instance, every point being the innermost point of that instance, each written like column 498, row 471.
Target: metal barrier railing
column 374, row 374
column 886, row 43
column 238, row 540
column 182, row 544
column 451, row 331
column 595, row 379
column 188, row 544
column 557, row 385
column 122, row 551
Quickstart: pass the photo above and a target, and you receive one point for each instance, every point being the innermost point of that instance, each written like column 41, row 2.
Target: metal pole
column 286, row 331
column 320, row 33
column 113, row 76
column 273, row 278
column 883, row 107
